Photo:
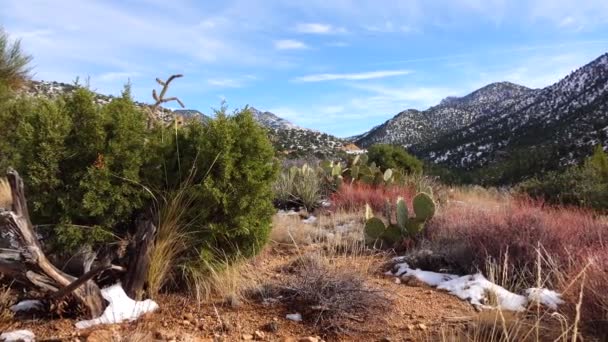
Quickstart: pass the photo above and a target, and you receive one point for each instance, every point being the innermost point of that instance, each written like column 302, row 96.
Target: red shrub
column 570, row 236
column 353, row 197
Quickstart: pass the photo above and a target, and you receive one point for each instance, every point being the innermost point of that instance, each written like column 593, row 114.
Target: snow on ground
column 27, row 305
column 18, row 335
column 478, row 290
column 296, row 317
column 548, row 298
column 121, row 308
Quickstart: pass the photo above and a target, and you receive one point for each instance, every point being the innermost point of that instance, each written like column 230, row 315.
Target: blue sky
column 337, row 66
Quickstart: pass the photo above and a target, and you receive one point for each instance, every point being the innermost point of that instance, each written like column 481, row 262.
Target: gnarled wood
column 32, row 265
column 139, row 258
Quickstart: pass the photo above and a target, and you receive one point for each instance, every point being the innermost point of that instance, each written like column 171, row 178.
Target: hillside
column 287, row 137
column 502, row 123
column 414, row 127
column 563, row 120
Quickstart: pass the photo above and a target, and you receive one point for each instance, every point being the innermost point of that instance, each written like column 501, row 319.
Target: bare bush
column 332, row 298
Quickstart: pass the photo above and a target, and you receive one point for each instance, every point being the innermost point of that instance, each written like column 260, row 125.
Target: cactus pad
column 374, row 228
column 424, row 207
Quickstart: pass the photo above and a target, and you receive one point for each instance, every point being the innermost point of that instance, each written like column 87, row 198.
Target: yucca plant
column 14, row 69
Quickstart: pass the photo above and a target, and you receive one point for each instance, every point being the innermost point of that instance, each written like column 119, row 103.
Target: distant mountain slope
column 296, row 141
column 565, row 119
column 414, row 127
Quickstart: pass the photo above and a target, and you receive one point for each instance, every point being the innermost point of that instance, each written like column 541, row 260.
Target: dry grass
column 6, row 199
column 6, row 300
column 289, row 229
column 230, row 280
column 171, row 240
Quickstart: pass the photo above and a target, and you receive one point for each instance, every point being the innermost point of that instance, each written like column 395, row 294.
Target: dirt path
column 417, row 313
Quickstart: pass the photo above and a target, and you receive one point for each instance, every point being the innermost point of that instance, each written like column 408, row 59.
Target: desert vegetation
column 212, row 234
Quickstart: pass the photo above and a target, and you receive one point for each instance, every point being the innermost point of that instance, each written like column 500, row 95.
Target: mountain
column 287, row 137
column 296, row 141
column 414, row 127
column 508, row 124
column 271, row 120
column 560, row 122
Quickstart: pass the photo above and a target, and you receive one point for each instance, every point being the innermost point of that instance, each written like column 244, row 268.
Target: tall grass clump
column 5, row 194
column 14, row 69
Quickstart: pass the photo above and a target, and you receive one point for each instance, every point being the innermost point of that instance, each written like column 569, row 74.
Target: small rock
column 103, row 335
column 308, row 339
column 271, row 327
column 247, row 337
column 259, row 335
column 397, row 281
column 186, row 322
column 410, row 327
column 227, row 326
column 422, row 326
column 234, row 301
column 164, row 335
column 189, row 317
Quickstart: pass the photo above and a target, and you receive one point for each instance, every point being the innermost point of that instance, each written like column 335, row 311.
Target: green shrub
column 584, row 185
column 231, row 162
column 393, row 157
column 80, row 163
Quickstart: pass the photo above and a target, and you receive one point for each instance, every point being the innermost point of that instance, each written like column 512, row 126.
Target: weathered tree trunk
column 27, row 262
column 139, row 258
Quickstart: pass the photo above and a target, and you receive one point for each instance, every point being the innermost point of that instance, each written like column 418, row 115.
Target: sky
column 338, row 66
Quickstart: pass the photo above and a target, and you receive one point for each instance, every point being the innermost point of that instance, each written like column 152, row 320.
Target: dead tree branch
column 28, row 263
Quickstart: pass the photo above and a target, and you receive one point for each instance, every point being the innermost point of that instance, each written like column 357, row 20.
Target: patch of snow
column 18, row 335
column 121, row 308
column 325, row 203
column 310, row 219
column 548, row 298
column 478, row 290
column 287, row 213
column 296, row 317
column 27, row 305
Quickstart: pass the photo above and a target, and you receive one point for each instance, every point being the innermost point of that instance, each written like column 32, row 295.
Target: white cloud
column 289, row 44
column 338, row 44
column 351, row 76
column 318, row 28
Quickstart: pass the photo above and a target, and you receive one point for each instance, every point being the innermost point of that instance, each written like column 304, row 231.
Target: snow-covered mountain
column 414, row 127
column 295, row 140
column 563, row 120
column 493, row 124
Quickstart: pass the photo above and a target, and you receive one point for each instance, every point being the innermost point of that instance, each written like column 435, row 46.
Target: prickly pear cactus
column 406, row 226
column 374, row 228
column 424, row 206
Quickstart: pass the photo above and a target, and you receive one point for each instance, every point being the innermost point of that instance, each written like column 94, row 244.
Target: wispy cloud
column 351, row 76
column 338, row 44
column 389, row 27
column 318, row 28
column 228, row 82
column 289, row 44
